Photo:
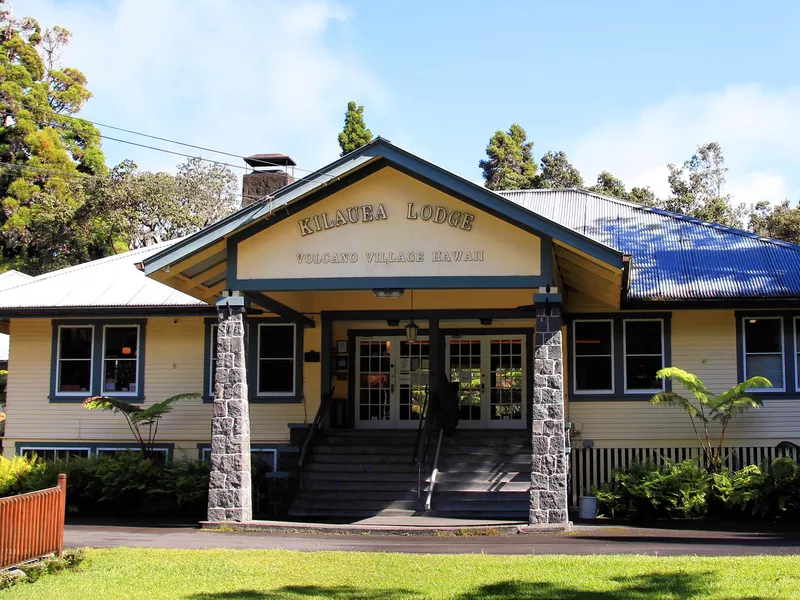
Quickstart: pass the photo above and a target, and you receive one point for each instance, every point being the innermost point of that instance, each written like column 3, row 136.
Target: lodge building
column 321, row 323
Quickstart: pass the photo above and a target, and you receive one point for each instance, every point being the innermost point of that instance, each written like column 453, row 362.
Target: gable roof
column 114, row 281
column 380, row 149
column 674, row 257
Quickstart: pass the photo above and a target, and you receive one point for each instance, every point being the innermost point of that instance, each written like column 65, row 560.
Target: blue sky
column 623, row 86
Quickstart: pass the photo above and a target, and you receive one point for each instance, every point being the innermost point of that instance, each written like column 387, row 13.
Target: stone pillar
column 548, row 462
column 229, row 494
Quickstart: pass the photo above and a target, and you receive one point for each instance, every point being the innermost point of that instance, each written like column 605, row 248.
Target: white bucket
column 587, row 508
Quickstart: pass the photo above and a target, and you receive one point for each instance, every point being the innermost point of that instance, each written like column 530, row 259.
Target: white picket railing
column 590, row 467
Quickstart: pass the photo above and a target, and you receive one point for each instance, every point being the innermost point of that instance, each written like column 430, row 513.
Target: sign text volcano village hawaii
column 366, row 213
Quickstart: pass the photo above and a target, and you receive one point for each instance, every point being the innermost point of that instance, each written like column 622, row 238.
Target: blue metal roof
column 674, row 257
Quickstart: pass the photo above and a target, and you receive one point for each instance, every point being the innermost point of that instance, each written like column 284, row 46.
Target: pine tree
column 355, row 133
column 510, row 165
column 558, row 172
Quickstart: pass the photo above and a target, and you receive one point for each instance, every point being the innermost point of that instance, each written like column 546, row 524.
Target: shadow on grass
column 677, row 585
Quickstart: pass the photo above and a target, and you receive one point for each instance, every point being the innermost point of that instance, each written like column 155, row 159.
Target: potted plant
column 587, row 505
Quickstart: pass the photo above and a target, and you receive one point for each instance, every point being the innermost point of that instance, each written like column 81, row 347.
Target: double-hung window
column 74, row 353
column 593, row 342
column 644, row 354
column 120, row 360
column 277, row 357
column 763, row 350
column 97, row 357
column 212, row 359
column 617, row 356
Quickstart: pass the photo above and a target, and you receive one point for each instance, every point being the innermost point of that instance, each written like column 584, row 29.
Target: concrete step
column 516, row 514
column 360, row 449
column 485, row 477
column 364, row 458
column 442, row 498
column 350, row 495
column 378, row 433
column 355, row 467
column 459, row 450
column 481, row 487
column 350, row 513
column 363, row 478
column 359, row 486
column 356, row 505
column 494, row 464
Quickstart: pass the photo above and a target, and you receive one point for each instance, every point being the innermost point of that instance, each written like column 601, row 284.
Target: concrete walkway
column 584, row 539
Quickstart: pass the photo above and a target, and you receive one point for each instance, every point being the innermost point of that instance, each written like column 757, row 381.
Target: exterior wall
column 704, row 343
column 495, row 248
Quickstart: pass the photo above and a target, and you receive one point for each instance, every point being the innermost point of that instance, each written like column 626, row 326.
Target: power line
column 72, row 177
column 171, row 141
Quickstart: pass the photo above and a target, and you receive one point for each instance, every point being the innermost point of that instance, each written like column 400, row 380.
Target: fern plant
column 143, row 422
column 707, row 408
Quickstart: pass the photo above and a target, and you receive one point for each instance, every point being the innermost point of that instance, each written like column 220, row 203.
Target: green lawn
column 274, row 574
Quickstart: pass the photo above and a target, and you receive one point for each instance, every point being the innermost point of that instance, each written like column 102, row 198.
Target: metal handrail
column 422, row 423
column 434, row 472
column 315, row 426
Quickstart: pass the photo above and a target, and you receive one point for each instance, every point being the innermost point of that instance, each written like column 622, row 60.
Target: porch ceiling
column 587, row 275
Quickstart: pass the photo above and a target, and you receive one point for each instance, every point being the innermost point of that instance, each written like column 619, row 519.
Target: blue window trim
column 278, row 448
column 790, row 349
column 97, row 358
column 93, row 447
column 251, row 348
column 618, row 358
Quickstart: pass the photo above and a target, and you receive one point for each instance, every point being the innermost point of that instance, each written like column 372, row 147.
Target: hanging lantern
column 412, row 329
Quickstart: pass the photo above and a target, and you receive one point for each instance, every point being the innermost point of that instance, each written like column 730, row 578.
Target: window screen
column 644, row 354
column 763, row 349
column 276, row 359
column 593, row 347
column 120, row 359
column 74, row 360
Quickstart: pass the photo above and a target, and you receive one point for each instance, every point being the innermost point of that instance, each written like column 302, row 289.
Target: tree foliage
column 509, row 164
column 143, row 422
column 780, row 221
column 37, row 136
column 557, row 172
column 697, row 188
column 609, row 185
column 355, row 133
column 706, row 407
column 140, row 208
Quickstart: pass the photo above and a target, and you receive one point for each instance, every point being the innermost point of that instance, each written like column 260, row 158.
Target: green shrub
column 768, row 491
column 122, row 485
column 645, row 489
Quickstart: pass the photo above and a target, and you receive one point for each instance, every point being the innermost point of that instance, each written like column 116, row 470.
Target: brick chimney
column 270, row 173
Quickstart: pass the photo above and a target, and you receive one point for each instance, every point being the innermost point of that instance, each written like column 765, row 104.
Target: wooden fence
column 590, row 467
column 32, row 525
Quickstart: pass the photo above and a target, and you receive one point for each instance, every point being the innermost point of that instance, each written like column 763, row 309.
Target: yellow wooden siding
column 704, row 343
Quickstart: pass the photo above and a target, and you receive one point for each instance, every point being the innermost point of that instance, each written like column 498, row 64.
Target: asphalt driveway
column 584, row 539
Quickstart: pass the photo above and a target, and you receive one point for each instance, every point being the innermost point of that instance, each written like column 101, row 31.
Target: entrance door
column 391, row 381
column 492, row 379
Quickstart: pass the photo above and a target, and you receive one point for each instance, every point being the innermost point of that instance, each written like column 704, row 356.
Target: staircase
column 359, row 474
column 483, row 474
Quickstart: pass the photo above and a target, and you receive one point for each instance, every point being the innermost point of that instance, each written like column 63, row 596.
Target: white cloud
column 758, row 128
column 243, row 77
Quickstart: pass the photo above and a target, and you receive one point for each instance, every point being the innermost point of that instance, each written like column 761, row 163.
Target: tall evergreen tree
column 37, row 136
column 355, row 133
column 609, row 185
column 510, row 164
column 558, row 172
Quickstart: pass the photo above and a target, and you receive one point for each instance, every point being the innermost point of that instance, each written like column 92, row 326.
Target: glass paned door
column 391, row 381
column 412, row 377
column 465, row 361
column 506, row 389
column 492, row 379
column 374, row 383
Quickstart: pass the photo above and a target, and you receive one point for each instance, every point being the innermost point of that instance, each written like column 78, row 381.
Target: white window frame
column 575, row 389
column 37, row 449
column 293, row 392
column 212, row 358
column 625, row 357
column 59, row 360
column 795, row 324
column 783, row 353
column 139, row 391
